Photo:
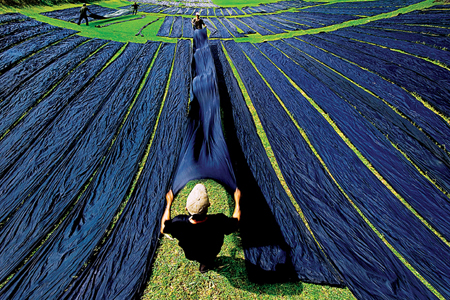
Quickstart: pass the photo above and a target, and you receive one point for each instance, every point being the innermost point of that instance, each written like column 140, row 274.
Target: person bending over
column 197, row 22
column 83, row 14
column 200, row 235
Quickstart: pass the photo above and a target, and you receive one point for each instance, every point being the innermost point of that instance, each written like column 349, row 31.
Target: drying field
column 336, row 116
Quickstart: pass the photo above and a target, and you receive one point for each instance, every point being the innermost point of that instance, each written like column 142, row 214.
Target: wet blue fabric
column 171, row 10
column 57, row 192
column 354, row 249
column 181, row 11
column 413, row 34
column 17, row 103
column 232, row 11
column 16, row 27
column 214, row 33
column 321, row 19
column 70, row 245
column 277, row 243
column 24, row 70
column 11, row 40
column 238, row 11
column 63, row 14
column 427, row 35
column 177, row 27
column 35, row 121
column 414, row 74
column 223, row 32
column 160, row 8
column 190, row 11
column 133, row 241
column 368, row 8
column 24, row 176
column 292, row 25
column 219, row 12
column 249, row 21
column 422, row 195
column 409, row 139
column 12, row 17
column 429, row 252
column 241, row 26
column 231, row 27
column 148, row 8
column 72, row 14
column 366, row 35
column 439, row 18
column 164, row 30
column 31, row 46
column 430, row 122
column 204, row 152
column 261, row 22
column 305, row 22
column 188, row 31
column 275, row 22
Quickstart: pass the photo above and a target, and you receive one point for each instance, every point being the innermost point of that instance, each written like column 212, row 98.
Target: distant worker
column 83, row 14
column 198, row 234
column 197, row 22
column 135, row 7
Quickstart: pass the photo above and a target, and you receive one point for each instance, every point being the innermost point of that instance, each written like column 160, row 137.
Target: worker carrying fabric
column 197, row 22
column 200, row 235
column 135, row 7
column 83, row 14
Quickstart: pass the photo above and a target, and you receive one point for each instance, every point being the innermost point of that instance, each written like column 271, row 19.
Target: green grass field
column 173, row 276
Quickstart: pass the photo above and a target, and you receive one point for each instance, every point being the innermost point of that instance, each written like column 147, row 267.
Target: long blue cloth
column 204, row 153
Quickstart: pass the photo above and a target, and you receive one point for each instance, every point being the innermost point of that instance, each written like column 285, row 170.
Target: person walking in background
column 200, row 235
column 197, row 22
column 83, row 14
column 135, row 7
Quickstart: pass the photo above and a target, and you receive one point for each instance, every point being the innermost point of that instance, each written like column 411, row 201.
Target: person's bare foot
column 203, row 268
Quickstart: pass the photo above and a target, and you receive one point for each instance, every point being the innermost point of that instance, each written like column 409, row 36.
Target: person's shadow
column 234, row 269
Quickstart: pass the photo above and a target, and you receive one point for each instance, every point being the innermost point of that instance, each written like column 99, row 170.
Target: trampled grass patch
column 175, row 277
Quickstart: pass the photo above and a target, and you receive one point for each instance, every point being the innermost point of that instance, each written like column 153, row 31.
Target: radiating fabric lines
column 19, row 101
column 307, row 259
column 323, row 201
column 422, row 238
column 35, row 121
column 134, row 240
column 411, row 140
column 105, row 193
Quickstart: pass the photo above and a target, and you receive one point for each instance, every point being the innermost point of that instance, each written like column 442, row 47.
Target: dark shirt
column 198, row 23
column 202, row 241
column 135, row 6
column 83, row 11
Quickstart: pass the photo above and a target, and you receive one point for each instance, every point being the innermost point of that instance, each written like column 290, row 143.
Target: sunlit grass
column 175, row 277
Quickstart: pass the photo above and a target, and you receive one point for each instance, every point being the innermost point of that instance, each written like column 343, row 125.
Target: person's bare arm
column 166, row 215
column 237, row 207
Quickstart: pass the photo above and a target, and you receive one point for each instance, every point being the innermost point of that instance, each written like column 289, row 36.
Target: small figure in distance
column 200, row 235
column 197, row 22
column 83, row 14
column 135, row 7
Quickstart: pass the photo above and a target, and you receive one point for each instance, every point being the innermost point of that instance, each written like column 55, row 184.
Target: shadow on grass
column 234, row 269
column 102, row 22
